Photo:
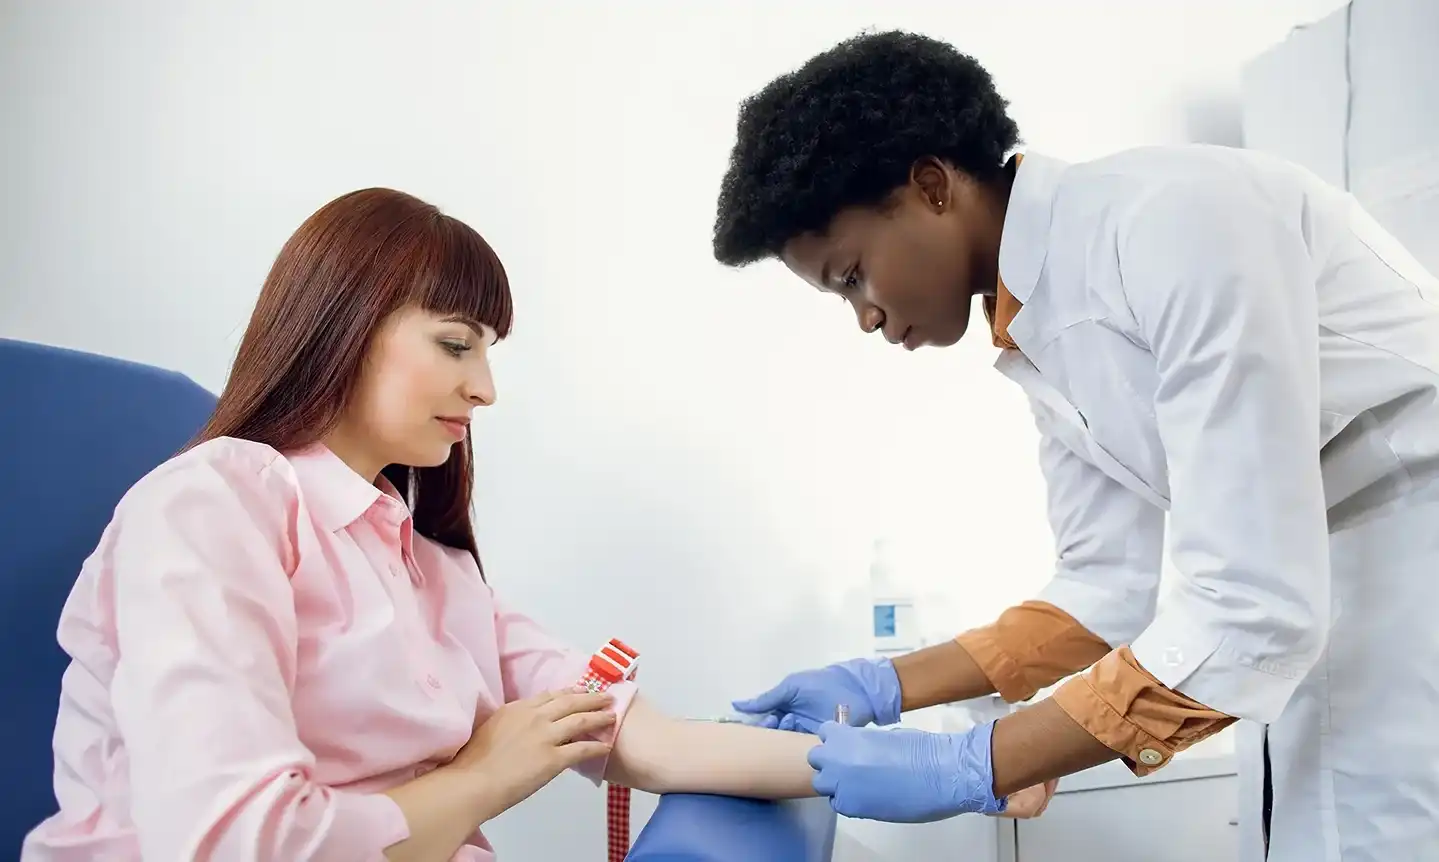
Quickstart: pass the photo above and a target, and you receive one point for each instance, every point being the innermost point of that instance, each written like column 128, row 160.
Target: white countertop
column 1116, row 774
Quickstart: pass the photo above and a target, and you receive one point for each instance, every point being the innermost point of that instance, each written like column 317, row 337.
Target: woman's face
column 910, row 269
column 423, row 377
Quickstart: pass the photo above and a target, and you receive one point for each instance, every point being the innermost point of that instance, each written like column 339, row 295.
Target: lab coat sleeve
column 1109, row 543
column 1221, row 287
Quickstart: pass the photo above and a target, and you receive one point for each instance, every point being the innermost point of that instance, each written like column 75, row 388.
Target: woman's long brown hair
column 353, row 263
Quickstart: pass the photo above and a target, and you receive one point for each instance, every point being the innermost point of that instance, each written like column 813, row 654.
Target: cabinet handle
column 1234, row 821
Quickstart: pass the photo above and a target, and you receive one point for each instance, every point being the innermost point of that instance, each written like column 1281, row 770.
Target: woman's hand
column 520, row 748
column 1030, row 802
column 525, row 744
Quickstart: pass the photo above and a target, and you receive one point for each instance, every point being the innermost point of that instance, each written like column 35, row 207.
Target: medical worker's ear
column 932, row 179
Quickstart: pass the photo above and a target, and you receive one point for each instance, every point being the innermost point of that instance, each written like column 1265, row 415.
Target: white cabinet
column 967, row 838
column 1186, row 812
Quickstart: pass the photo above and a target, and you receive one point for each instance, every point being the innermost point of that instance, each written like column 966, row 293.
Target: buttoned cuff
column 1125, row 707
column 1193, row 658
column 1031, row 646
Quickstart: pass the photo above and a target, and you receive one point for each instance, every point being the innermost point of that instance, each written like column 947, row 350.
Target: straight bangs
column 463, row 277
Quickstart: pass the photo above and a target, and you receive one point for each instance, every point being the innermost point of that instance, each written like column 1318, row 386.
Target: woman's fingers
column 580, row 724
column 569, row 703
column 575, row 753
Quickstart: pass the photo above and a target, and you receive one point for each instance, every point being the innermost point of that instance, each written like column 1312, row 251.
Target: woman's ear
column 931, row 179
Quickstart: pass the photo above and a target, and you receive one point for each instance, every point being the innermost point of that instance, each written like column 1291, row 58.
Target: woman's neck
column 355, row 455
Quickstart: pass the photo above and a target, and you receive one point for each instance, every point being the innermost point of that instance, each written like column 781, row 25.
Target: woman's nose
column 480, row 388
column 870, row 318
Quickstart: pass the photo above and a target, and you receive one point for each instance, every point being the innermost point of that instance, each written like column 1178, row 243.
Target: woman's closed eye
column 455, row 347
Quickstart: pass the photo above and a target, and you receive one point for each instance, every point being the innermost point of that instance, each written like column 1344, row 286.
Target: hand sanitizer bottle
column 896, row 625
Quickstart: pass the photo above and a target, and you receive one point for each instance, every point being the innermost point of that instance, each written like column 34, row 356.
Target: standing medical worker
column 1201, row 331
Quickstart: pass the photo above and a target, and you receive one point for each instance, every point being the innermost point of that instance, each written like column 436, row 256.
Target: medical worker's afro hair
column 844, row 130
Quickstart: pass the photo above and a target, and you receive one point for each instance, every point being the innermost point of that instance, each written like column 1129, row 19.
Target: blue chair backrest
column 76, row 431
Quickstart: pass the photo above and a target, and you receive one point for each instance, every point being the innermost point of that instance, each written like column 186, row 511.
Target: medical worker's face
column 424, row 376
column 910, row 269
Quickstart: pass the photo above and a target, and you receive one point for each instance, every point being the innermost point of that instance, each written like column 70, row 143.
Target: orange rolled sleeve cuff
column 1031, row 646
column 1034, row 645
column 1126, row 708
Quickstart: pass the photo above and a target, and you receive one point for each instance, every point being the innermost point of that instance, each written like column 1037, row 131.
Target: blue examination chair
column 76, row 431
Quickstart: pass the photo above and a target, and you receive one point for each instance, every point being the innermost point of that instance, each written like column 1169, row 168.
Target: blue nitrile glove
column 905, row 776
column 806, row 699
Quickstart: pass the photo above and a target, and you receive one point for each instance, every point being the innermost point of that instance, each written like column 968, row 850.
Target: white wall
column 692, row 459
column 1355, row 98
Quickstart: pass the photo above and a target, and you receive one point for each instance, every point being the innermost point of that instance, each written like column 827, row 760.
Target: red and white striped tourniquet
column 612, row 663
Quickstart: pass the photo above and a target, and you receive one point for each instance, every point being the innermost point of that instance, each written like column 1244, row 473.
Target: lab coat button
column 1150, row 757
column 1173, row 657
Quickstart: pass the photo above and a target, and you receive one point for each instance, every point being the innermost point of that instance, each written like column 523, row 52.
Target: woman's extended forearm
column 659, row 754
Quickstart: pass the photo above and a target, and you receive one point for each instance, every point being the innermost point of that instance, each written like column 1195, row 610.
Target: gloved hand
column 806, row 699
column 905, row 776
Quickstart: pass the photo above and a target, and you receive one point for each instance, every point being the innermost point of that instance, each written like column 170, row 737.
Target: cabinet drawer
column 1173, row 821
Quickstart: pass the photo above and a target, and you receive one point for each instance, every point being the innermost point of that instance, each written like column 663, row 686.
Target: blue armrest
column 78, row 431
column 697, row 828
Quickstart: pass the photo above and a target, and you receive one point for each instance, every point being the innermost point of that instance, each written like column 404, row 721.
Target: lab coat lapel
column 1072, row 428
column 1023, row 248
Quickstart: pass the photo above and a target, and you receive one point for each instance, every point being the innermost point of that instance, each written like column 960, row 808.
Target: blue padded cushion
column 78, row 431
column 699, row 828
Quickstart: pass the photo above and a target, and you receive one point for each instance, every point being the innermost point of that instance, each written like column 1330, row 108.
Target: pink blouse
column 261, row 645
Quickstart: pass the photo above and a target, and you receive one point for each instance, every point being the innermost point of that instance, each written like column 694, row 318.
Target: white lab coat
column 1218, row 335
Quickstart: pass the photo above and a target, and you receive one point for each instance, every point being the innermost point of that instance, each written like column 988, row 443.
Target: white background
column 693, row 459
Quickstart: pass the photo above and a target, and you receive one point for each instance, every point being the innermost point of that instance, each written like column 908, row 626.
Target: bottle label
column 884, row 621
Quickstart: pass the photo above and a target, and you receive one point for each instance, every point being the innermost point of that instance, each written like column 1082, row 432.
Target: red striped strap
column 614, row 662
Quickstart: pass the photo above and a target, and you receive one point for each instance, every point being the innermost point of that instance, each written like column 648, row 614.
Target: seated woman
column 285, row 648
